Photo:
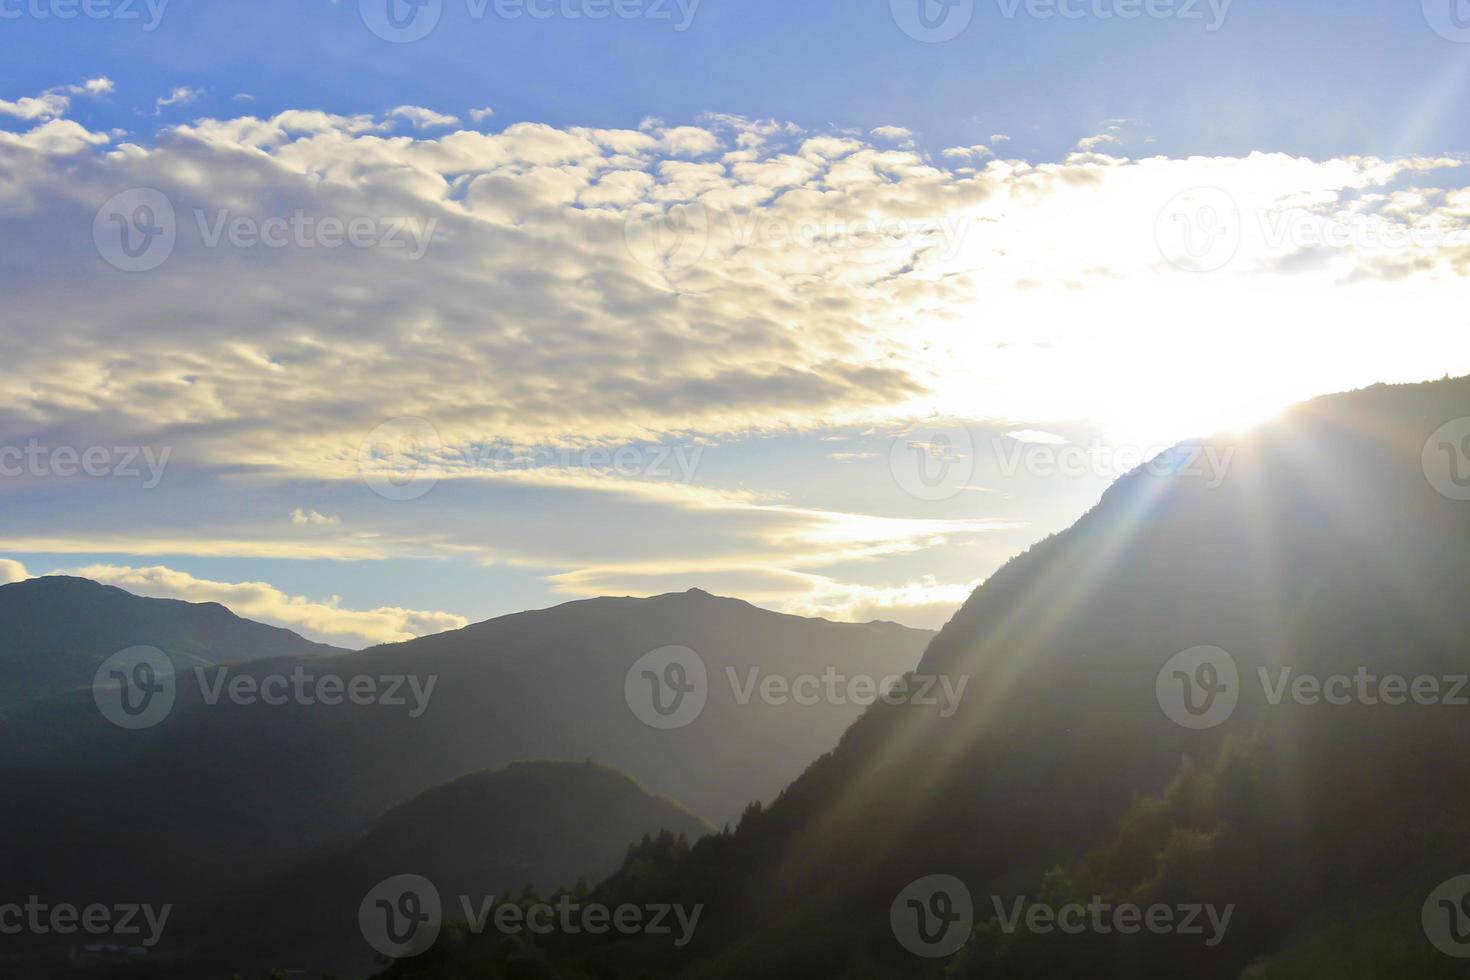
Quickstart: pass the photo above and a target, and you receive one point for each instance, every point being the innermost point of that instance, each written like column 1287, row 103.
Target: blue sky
column 862, row 314
column 1313, row 77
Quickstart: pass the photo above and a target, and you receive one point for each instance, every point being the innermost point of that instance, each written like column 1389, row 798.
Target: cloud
column 968, row 152
column 892, row 133
column 1090, row 143
column 12, row 571
column 926, row 603
column 1038, row 437
column 311, row 518
column 56, row 102
column 424, row 118
column 180, row 96
column 48, row 105
column 480, row 115
column 704, row 285
column 327, row 621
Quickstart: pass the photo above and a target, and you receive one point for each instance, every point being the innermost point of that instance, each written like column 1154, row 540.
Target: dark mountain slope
column 58, row 630
column 1326, row 550
column 536, row 824
column 276, row 781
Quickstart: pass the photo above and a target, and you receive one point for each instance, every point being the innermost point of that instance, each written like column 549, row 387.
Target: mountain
column 1305, row 621
column 491, row 834
column 279, row 780
column 59, row 630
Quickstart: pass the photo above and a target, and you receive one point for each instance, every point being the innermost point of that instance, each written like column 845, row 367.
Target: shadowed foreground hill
column 58, row 630
column 538, row 824
column 1325, row 825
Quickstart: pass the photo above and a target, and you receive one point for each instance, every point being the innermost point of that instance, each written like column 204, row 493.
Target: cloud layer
column 299, row 280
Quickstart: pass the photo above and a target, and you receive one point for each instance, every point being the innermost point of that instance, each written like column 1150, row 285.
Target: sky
column 374, row 320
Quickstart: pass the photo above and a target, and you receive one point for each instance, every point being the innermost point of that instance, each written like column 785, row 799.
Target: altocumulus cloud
column 802, row 281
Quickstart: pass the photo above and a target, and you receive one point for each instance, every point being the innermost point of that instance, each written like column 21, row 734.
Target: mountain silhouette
column 534, row 825
column 1335, row 547
column 59, row 630
column 223, row 790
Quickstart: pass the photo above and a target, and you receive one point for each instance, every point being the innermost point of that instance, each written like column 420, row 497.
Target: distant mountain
column 58, row 630
column 483, row 836
column 1325, row 819
column 231, row 790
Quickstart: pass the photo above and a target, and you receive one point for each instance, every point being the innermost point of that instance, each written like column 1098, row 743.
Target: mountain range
column 1239, row 697
column 228, row 791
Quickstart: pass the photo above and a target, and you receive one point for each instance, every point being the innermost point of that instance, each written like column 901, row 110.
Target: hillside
column 1327, row 552
column 538, row 824
column 279, row 780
